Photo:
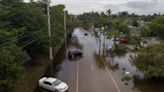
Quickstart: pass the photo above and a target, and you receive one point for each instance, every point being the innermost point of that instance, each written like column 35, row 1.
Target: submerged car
column 53, row 84
column 85, row 34
column 74, row 53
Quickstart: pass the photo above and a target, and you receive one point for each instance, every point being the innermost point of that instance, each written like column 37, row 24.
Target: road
column 89, row 73
column 96, row 71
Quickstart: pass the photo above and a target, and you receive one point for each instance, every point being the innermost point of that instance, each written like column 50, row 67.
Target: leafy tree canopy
column 150, row 61
column 157, row 26
column 11, row 66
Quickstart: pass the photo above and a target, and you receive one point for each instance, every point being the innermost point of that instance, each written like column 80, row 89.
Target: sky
column 132, row 6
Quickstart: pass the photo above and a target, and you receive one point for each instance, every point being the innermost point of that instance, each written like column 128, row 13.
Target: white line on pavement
column 110, row 75
column 92, row 67
column 77, row 78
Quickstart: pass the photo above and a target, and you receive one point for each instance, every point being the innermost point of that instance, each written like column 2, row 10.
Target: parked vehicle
column 122, row 40
column 53, row 84
column 74, row 53
column 74, row 36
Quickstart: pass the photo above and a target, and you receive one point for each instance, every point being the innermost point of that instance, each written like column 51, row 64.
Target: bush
column 150, row 61
column 11, row 66
column 120, row 50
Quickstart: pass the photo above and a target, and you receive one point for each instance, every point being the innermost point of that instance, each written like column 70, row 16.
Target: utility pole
column 49, row 29
column 65, row 29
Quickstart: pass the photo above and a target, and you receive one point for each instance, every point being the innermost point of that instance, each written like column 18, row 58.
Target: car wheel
column 80, row 54
column 56, row 91
column 69, row 56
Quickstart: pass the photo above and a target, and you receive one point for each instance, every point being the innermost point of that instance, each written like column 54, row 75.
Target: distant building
column 134, row 31
column 142, row 22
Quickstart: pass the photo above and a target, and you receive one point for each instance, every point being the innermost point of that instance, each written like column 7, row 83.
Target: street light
column 49, row 34
column 123, row 69
column 49, row 29
column 103, row 28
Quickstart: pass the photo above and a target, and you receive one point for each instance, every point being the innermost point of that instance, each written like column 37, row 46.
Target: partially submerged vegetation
column 24, row 37
column 150, row 61
column 135, row 29
column 120, row 50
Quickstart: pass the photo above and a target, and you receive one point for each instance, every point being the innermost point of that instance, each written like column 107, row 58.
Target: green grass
column 31, row 76
column 29, row 81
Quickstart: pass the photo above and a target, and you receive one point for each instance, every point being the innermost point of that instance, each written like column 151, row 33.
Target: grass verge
column 29, row 81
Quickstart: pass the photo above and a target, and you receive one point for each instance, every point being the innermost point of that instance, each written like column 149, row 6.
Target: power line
column 23, row 43
column 15, row 39
column 30, row 42
column 30, row 34
column 8, row 7
column 19, row 38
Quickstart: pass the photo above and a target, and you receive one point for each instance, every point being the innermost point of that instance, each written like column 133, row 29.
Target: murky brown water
column 97, row 70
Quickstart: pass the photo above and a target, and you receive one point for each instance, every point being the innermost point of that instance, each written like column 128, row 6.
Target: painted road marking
column 92, row 67
column 77, row 77
column 110, row 75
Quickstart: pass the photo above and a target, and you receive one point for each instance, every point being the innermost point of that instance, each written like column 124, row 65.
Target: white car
column 53, row 84
column 74, row 36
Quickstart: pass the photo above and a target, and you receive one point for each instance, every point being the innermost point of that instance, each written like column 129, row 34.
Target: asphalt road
column 89, row 73
column 97, row 70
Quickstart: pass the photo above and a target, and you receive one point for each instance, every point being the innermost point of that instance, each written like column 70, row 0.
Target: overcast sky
column 132, row 6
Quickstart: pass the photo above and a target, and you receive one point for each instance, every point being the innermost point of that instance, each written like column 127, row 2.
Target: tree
column 11, row 2
column 135, row 41
column 150, row 61
column 157, row 27
column 121, row 26
column 145, row 31
column 135, row 23
column 21, row 23
column 108, row 12
column 123, row 14
column 11, row 66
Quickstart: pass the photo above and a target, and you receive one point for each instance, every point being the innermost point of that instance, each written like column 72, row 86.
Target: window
column 47, row 83
column 57, row 82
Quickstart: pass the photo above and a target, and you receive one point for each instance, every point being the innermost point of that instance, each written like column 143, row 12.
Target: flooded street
column 97, row 70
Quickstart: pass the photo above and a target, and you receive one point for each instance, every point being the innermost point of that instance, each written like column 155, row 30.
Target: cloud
column 142, row 4
column 80, row 6
column 114, row 8
column 132, row 6
column 139, row 7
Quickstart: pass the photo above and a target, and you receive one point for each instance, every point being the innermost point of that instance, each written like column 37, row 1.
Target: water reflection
column 99, row 61
column 114, row 61
column 75, row 43
column 104, row 54
column 96, row 34
column 119, row 60
column 120, row 51
column 75, row 59
column 113, row 66
column 56, row 65
column 106, row 58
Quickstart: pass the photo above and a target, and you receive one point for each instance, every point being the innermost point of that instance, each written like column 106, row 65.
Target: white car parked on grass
column 53, row 84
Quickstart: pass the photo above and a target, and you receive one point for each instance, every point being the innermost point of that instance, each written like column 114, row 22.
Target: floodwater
column 97, row 70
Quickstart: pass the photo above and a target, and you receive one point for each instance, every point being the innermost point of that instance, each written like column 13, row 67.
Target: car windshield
column 57, row 82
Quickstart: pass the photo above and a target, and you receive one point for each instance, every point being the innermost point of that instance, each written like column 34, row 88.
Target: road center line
column 92, row 67
column 110, row 75
column 77, row 78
